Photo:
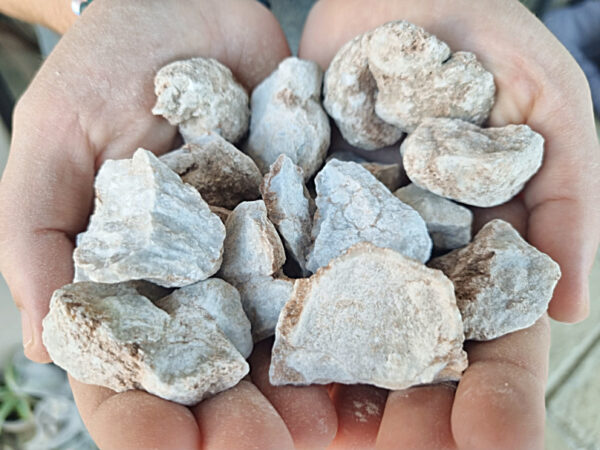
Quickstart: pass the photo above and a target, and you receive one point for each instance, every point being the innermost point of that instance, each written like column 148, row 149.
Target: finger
column 241, row 416
column 134, row 419
column 499, row 401
column 359, row 409
column 307, row 411
column 418, row 418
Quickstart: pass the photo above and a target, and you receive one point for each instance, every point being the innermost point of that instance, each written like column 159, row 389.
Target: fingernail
column 27, row 329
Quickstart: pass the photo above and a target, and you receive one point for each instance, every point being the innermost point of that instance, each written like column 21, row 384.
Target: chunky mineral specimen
column 353, row 207
column 289, row 206
column 111, row 336
column 148, row 224
column 252, row 258
column 201, row 95
column 449, row 224
column 389, row 174
column 219, row 299
column 372, row 316
column 477, row 166
column 502, row 283
column 350, row 92
column 222, row 174
column 417, row 77
column 287, row 117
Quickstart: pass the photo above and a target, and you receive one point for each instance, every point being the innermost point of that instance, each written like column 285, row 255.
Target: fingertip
column 571, row 300
column 33, row 347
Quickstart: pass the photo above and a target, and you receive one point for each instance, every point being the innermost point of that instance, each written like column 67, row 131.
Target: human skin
column 53, row 14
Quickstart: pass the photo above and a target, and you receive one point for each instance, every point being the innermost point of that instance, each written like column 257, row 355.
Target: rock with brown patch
column 200, row 95
column 372, row 316
column 222, row 174
column 109, row 335
column 502, row 283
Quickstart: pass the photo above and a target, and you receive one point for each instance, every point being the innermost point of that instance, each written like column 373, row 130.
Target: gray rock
column 147, row 224
column 111, row 336
column 349, row 98
column 353, row 207
column 449, row 224
column 287, row 118
column 418, row 77
column 477, row 166
column 502, row 283
column 372, row 316
column 222, row 174
column 289, row 206
column 201, row 95
column 219, row 299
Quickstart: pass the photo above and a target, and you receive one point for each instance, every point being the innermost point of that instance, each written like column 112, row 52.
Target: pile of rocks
column 191, row 257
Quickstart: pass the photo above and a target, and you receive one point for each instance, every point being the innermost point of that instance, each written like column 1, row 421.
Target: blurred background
column 36, row 407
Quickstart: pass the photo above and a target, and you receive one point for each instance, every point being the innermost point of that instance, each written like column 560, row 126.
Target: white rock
column 477, row 166
column 418, row 77
column 287, row 117
column 372, row 316
column 222, row 174
column 147, row 224
column 353, row 207
column 502, row 283
column 349, row 97
column 449, row 224
column 289, row 206
column 219, row 299
column 111, row 336
column 201, row 95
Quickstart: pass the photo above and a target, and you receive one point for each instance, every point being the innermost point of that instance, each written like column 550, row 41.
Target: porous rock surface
column 222, row 174
column 219, row 299
column 201, row 95
column 350, row 92
column 289, row 206
column 448, row 223
column 502, row 283
column 352, row 207
column 147, row 224
column 252, row 259
column 478, row 166
column 417, row 77
column 111, row 336
column 287, row 117
column 372, row 316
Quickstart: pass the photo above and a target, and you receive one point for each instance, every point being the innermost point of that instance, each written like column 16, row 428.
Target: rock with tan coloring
column 201, row 95
column 287, row 118
column 222, row 174
column 354, row 207
column 448, row 223
column 219, row 299
column 478, row 166
column 289, row 206
column 220, row 212
column 418, row 77
column 388, row 174
column 502, row 283
column 147, row 224
column 110, row 335
column 372, row 316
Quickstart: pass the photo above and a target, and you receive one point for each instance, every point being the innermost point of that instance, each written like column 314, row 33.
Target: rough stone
column 477, row 166
column 353, row 207
column 222, row 213
column 201, row 95
column 349, row 97
column 287, row 118
column 289, row 206
column 372, row 316
column 111, row 336
column 219, row 299
column 222, row 174
column 147, row 224
column 448, row 223
column 502, row 283
column 389, row 174
column 417, row 77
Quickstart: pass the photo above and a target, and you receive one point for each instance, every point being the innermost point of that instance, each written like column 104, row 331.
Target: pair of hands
column 91, row 101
